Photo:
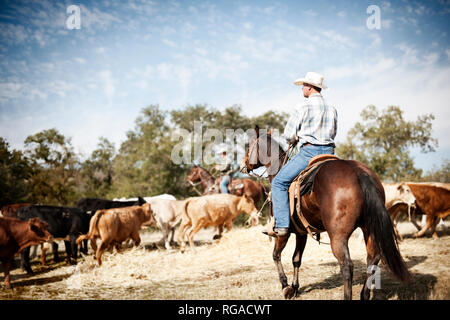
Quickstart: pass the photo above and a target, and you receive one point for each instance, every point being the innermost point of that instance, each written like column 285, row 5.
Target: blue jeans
column 224, row 183
column 281, row 182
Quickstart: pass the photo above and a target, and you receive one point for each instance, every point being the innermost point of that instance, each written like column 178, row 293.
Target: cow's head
column 38, row 230
column 405, row 194
column 247, row 205
column 149, row 216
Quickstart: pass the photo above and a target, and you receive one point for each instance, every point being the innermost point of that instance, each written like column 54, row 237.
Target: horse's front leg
column 280, row 244
column 297, row 260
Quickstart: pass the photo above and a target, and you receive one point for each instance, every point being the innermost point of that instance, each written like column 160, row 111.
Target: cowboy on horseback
column 312, row 126
column 226, row 170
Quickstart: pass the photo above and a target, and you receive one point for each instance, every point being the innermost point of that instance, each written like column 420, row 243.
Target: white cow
column 398, row 193
column 167, row 214
column 167, row 211
column 399, row 198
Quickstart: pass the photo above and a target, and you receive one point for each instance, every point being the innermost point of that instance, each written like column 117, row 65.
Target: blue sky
column 129, row 54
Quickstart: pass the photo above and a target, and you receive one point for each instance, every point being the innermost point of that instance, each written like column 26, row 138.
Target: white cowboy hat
column 222, row 149
column 312, row 78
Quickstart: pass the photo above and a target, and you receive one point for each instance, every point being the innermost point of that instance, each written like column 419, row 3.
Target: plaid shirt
column 313, row 122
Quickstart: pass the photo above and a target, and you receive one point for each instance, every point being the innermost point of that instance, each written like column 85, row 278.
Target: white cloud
column 386, row 23
column 100, row 50
column 38, row 93
column 93, row 18
column 409, row 53
column 107, row 80
column 376, row 39
column 310, row 13
column 248, row 25
column 10, row 90
column 169, row 43
column 165, row 70
column 332, row 38
column 59, row 87
column 80, row 60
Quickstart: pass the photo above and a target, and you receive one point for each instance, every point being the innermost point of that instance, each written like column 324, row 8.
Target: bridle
column 284, row 154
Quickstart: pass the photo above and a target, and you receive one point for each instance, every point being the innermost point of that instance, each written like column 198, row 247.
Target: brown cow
column 113, row 226
column 433, row 199
column 213, row 210
column 10, row 210
column 16, row 235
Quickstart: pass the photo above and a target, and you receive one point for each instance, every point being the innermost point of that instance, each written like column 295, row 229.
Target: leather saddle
column 302, row 184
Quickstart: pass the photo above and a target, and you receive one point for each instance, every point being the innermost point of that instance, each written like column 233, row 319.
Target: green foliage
column 143, row 166
column 14, row 173
column 383, row 139
column 437, row 174
column 54, row 167
column 50, row 172
column 97, row 171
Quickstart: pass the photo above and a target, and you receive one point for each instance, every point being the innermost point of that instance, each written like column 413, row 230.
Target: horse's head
column 194, row 175
column 263, row 150
column 247, row 205
column 251, row 161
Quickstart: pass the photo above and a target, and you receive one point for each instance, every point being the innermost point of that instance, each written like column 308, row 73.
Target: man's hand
column 293, row 141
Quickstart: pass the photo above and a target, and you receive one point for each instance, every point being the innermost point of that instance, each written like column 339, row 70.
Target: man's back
column 314, row 122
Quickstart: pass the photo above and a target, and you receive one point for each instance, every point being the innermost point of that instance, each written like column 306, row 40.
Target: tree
column 270, row 119
column 14, row 173
column 232, row 118
column 185, row 118
column 383, row 139
column 143, row 166
column 97, row 171
column 437, row 174
column 54, row 167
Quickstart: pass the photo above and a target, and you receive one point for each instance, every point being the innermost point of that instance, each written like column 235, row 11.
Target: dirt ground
column 239, row 266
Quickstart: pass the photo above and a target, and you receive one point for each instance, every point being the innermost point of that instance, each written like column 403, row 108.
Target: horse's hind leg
column 339, row 246
column 297, row 259
column 373, row 258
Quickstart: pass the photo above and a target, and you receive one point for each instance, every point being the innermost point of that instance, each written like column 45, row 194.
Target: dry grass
column 239, row 266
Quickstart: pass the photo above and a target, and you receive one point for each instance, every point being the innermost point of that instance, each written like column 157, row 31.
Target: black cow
column 93, row 204
column 62, row 222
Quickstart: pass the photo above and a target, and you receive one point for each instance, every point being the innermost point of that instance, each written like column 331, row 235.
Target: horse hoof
column 288, row 292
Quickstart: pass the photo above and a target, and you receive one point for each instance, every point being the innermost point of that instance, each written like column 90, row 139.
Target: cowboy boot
column 272, row 231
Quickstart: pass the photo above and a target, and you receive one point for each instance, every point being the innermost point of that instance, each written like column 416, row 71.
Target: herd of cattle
column 112, row 222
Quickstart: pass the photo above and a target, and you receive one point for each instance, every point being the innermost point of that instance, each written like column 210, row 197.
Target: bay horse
column 238, row 187
column 346, row 195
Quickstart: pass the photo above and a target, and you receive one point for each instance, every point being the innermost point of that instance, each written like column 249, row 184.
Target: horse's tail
column 378, row 223
column 92, row 227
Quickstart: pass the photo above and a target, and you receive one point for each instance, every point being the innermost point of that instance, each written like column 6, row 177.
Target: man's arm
column 293, row 124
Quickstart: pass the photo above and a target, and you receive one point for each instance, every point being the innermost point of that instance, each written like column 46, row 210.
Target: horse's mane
column 205, row 171
column 273, row 140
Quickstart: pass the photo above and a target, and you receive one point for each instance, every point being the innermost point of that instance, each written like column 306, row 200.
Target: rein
column 193, row 185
